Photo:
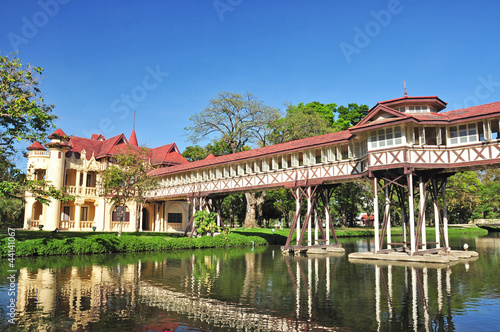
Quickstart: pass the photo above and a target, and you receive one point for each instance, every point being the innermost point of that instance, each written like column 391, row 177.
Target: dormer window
column 418, row 109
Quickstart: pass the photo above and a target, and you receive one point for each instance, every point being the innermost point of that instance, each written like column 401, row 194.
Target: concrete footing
column 314, row 250
column 440, row 257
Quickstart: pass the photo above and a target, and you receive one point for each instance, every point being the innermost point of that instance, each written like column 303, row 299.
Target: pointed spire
column 406, row 94
column 133, row 138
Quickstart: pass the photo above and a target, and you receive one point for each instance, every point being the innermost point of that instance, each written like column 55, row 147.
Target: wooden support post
column 436, row 212
column 422, row 213
column 411, row 213
column 375, row 212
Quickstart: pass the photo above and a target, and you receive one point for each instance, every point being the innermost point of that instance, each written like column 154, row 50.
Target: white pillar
column 309, row 210
column 375, row 212
column 78, row 216
column 140, row 217
column 388, row 213
column 316, row 226
column 297, row 213
column 411, row 213
column 421, row 211
column 327, row 220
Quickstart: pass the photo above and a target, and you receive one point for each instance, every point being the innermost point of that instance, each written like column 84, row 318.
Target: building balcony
column 82, row 191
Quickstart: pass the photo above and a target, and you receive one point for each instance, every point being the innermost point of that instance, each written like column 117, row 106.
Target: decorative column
column 78, row 213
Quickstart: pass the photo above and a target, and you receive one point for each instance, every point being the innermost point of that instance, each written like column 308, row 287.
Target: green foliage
column 489, row 196
column 349, row 116
column 23, row 112
column 206, row 223
column 463, row 196
column 236, row 120
column 300, row 122
column 195, row 153
column 126, row 179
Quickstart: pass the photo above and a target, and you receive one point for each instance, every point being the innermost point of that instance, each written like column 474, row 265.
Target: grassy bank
column 40, row 243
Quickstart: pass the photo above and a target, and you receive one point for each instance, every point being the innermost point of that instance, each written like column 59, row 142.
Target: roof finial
column 406, row 94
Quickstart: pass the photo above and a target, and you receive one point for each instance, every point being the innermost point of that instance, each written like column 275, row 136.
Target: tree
column 23, row 112
column 349, row 116
column 235, row 120
column 126, row 180
column 489, row 205
column 462, row 196
column 24, row 116
column 195, row 153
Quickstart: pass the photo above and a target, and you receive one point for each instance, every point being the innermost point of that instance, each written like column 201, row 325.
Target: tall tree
column 126, row 180
column 23, row 112
column 235, row 120
column 24, row 116
column 349, row 116
column 462, row 196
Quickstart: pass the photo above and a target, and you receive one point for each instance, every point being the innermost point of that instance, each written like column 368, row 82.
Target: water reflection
column 241, row 289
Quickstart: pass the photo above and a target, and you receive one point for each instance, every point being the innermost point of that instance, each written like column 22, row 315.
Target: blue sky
column 167, row 59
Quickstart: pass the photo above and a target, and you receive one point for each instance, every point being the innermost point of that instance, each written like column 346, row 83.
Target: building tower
column 55, row 175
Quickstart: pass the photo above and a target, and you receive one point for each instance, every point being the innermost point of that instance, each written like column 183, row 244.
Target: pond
column 253, row 289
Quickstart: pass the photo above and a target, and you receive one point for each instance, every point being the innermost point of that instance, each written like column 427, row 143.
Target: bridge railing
column 327, row 171
column 432, row 156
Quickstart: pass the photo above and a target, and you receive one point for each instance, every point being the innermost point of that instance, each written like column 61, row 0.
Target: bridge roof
column 268, row 151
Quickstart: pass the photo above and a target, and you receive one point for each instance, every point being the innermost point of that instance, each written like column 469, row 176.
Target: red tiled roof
column 98, row 137
column 36, row 146
column 58, row 134
column 108, row 145
column 473, row 112
column 91, row 146
column 287, row 147
column 210, row 156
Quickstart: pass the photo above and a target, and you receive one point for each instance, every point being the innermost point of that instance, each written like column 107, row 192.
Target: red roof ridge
column 58, row 134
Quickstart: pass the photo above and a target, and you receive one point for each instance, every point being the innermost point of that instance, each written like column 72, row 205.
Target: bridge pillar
column 411, row 212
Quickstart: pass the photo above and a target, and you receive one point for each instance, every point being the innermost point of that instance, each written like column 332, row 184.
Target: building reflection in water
column 403, row 297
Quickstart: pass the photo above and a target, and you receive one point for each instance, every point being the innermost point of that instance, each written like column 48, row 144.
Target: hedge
column 108, row 243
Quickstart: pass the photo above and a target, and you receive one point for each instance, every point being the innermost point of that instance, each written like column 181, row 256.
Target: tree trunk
column 253, row 202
